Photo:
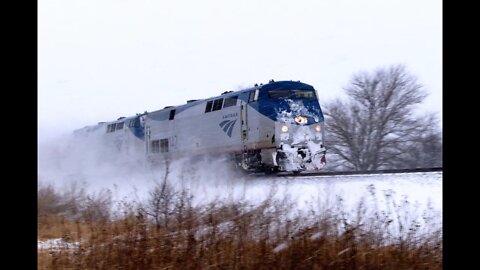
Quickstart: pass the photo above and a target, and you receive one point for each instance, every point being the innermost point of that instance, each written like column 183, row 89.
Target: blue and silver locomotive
column 278, row 126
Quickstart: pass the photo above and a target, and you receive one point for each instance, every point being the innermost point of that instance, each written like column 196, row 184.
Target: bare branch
column 376, row 128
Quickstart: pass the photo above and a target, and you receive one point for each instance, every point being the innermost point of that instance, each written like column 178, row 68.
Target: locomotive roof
column 262, row 87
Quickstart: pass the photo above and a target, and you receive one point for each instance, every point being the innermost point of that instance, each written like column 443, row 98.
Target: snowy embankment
column 213, row 180
column 62, row 163
column 402, row 197
column 407, row 198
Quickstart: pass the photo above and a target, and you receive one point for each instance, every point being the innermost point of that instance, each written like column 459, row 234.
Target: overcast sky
column 102, row 59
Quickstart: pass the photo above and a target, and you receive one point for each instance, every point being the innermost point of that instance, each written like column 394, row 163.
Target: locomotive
column 272, row 127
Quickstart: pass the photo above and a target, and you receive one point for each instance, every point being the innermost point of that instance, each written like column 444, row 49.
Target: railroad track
column 333, row 173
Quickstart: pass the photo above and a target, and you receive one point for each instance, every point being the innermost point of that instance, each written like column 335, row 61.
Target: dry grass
column 168, row 232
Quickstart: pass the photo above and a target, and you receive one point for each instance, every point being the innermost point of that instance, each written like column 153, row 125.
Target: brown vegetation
column 169, row 232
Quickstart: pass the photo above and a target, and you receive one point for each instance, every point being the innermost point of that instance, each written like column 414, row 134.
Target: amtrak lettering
column 227, row 126
column 230, row 115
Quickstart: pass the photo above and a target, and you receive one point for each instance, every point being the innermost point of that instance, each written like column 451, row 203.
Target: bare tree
column 422, row 149
column 161, row 202
column 376, row 127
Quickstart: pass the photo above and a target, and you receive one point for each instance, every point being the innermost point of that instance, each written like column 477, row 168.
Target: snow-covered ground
column 208, row 182
column 56, row 244
column 213, row 179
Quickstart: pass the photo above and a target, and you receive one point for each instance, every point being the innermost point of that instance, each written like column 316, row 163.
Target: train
column 273, row 127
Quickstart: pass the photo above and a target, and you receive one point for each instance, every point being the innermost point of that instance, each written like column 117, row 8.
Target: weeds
column 169, row 232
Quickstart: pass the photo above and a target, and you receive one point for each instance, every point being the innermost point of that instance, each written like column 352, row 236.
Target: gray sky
column 102, row 59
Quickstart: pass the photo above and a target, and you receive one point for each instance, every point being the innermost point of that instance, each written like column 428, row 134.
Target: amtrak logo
column 227, row 126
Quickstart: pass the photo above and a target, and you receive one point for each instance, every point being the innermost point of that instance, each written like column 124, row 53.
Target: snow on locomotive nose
column 301, row 139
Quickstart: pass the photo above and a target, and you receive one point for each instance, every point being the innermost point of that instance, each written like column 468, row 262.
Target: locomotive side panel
column 261, row 130
column 208, row 132
column 120, row 140
column 194, row 129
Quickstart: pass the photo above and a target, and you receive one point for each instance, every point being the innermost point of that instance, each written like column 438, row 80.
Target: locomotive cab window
column 110, row 128
column 217, row 104
column 164, row 145
column 251, row 98
column 155, row 146
column 230, row 101
column 279, row 94
column 159, row 146
column 119, row 126
column 209, row 106
column 291, row 94
column 172, row 115
column 133, row 122
column 304, row 94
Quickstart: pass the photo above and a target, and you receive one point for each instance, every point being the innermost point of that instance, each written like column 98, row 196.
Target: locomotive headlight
column 301, row 120
column 284, row 128
column 318, row 128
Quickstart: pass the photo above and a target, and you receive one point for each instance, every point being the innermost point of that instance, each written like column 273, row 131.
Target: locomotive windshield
column 291, row 94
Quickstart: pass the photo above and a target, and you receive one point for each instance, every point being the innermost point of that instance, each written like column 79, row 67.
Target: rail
column 392, row 171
